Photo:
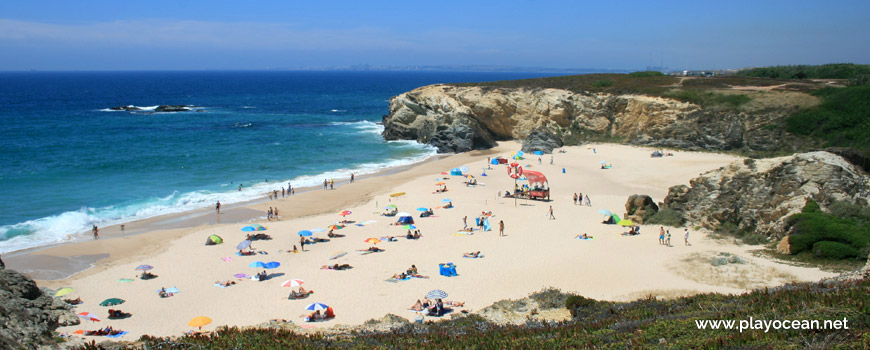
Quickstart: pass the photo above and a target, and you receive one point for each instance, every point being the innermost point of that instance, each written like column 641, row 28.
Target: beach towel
column 486, row 226
column 227, row 259
column 125, row 280
column 219, row 285
column 288, row 252
column 463, row 233
column 360, row 225
column 585, row 239
column 117, row 335
column 396, row 280
column 473, row 257
column 172, row 290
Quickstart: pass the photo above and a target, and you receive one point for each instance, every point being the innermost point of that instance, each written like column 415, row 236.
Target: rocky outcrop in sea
column 461, row 118
column 760, row 194
column 28, row 315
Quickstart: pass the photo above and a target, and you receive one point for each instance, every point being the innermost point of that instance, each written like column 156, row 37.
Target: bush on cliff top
column 666, row 217
column 824, row 71
column 813, row 226
column 840, row 120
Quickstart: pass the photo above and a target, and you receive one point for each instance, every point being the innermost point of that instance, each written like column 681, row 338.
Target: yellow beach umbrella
column 625, row 222
column 373, row 240
column 199, row 321
column 64, row 291
column 397, row 194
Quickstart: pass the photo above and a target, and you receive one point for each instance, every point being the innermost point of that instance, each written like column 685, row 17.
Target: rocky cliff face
column 458, row 119
column 28, row 317
column 762, row 194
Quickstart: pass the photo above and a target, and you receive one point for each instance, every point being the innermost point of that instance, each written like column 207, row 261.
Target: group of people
column 319, row 316
column 164, row 294
column 413, row 235
column 580, row 200
column 410, row 272
column 104, row 331
column 272, row 213
column 665, row 237
column 329, row 183
column 434, row 308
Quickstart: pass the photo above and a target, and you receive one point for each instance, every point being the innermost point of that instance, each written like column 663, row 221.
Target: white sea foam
column 71, row 225
column 337, row 110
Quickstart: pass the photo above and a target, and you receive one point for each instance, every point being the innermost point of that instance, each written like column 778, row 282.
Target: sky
column 265, row 34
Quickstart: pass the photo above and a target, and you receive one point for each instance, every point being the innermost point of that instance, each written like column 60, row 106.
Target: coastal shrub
column 770, row 127
column 813, row 226
column 824, row 71
column 550, row 298
column 833, row 250
column 602, row 83
column 644, row 74
column 709, row 99
column 666, row 217
column 840, row 120
column 572, row 303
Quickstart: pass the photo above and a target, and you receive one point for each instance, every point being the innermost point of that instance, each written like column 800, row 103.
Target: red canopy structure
column 539, row 188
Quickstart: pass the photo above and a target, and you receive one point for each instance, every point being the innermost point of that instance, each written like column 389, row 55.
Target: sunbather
column 226, row 283
column 246, row 253
column 372, row 249
column 418, row 306
column 471, row 255
column 147, row 275
column 334, row 235
column 75, row 301
column 583, row 236
column 335, row 267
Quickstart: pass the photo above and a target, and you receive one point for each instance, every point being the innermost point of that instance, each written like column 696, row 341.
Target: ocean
column 69, row 162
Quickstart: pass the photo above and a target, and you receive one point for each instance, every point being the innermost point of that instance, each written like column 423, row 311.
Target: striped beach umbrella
column 89, row 316
column 373, row 240
column 345, row 213
column 292, row 283
column 436, row 294
column 316, row 306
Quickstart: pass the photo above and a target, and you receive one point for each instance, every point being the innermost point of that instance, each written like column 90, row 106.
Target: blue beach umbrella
column 422, row 209
column 144, row 267
column 446, row 200
column 316, row 307
column 271, row 265
column 244, row 244
column 605, row 212
column 305, row 233
column 409, row 227
column 254, row 227
column 256, row 264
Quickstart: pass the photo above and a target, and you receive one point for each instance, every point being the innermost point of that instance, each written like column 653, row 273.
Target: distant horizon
column 103, row 35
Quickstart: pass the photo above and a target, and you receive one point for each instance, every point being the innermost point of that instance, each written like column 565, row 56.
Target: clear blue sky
column 256, row 34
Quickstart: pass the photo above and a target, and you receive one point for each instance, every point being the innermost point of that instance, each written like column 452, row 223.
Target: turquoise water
column 69, row 163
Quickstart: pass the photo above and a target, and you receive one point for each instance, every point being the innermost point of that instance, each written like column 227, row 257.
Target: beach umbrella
column 112, row 302
column 199, row 321
column 334, row 227
column 602, row 162
column 446, row 200
column 625, row 222
column 244, row 244
column 520, row 153
column 409, row 227
column 271, row 265
column 89, row 316
column 464, row 169
column 316, row 306
column 256, row 264
column 439, row 183
column 292, row 283
column 255, row 227
column 373, row 240
column 144, row 267
column 605, row 212
column 391, row 206
column 422, row 209
column 402, row 214
column 337, row 255
column 397, row 194
column 436, row 294
column 241, row 275
column 345, row 213
column 63, row 291
column 443, row 173
column 316, row 230
column 305, row 233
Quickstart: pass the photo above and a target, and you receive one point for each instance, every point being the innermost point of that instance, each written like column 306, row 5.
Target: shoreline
column 54, row 262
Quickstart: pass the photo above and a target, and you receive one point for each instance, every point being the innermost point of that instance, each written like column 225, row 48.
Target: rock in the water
column 28, row 316
column 541, row 139
column 760, row 194
column 172, row 108
column 128, row 108
column 638, row 207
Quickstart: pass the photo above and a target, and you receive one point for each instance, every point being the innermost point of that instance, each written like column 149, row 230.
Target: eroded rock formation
column 28, row 316
column 760, row 194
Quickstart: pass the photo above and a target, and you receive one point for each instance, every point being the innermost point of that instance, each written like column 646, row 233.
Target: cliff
column 462, row 118
column 760, row 194
column 28, row 316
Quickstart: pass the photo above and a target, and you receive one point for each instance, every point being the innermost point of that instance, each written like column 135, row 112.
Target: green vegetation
column 666, row 217
column 825, row 71
column 841, row 234
column 602, row 83
column 840, row 120
column 746, row 235
column 708, row 98
column 646, row 323
column 644, row 74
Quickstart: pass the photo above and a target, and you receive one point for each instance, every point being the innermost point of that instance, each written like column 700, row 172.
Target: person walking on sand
column 540, row 161
column 276, row 213
column 96, row 232
column 217, row 207
column 668, row 238
column 551, row 213
column 575, row 199
column 661, row 235
column 465, row 222
column 588, row 202
column 325, row 184
column 551, row 160
column 351, row 177
column 686, row 237
column 282, row 192
column 501, row 228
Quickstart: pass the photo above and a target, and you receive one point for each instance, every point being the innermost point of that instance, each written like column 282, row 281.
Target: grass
column 644, row 323
column 666, row 217
column 824, row 71
column 709, row 98
column 840, row 120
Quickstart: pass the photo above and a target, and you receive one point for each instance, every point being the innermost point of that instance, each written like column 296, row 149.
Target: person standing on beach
column 325, row 183
column 276, row 213
column 282, row 192
column 551, row 213
column 331, row 184
column 668, row 238
column 217, row 207
column 551, row 160
column 661, row 235
column 575, row 199
column 501, row 228
column 302, row 243
column 351, row 177
column 464, row 222
column 686, row 237
column 96, row 232
column 588, row 202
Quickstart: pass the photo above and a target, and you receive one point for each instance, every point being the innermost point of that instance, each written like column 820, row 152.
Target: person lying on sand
column 335, row 267
column 418, row 306
column 449, row 205
column 334, row 235
column 163, row 293
column 471, row 255
column 301, row 293
column 320, row 240
column 583, row 236
column 399, row 276
column 147, row 275
column 75, row 301
column 246, row 253
column 226, row 283
column 114, row 314
column 372, row 249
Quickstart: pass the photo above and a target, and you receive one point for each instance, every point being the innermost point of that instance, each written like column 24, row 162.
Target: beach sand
column 536, row 252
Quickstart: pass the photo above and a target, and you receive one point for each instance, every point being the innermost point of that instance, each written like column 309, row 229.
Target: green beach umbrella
column 112, row 302
column 64, row 291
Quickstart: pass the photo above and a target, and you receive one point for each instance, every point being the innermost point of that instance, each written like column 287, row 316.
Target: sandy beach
column 536, row 252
